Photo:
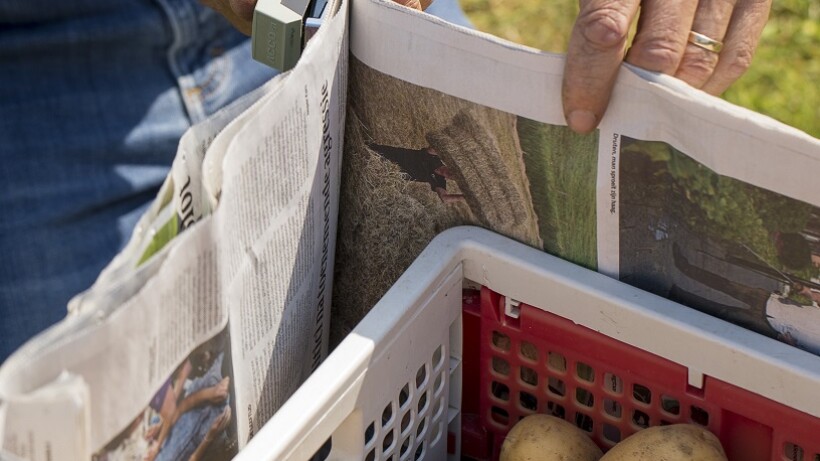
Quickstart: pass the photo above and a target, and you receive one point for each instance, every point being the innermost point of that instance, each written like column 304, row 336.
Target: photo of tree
column 719, row 245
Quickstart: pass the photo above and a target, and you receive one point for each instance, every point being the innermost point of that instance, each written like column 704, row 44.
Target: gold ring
column 705, row 42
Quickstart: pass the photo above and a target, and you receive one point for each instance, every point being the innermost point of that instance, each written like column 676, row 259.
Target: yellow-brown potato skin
column 678, row 442
column 547, row 438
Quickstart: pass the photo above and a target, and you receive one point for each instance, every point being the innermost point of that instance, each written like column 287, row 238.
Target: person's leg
column 94, row 97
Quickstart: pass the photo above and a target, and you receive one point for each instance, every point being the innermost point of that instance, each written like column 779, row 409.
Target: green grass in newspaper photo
column 562, row 185
column 718, row 244
column 782, row 82
column 163, row 235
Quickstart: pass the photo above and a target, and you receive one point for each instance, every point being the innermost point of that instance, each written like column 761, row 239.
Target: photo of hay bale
column 417, row 162
column 473, row 159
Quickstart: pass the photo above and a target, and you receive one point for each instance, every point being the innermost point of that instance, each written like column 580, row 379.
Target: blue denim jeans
column 94, row 96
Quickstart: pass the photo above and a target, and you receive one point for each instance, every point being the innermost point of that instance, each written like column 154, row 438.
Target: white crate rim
column 727, row 352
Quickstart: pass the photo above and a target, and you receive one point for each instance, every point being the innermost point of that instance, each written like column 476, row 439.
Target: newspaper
column 677, row 192
column 216, row 311
column 218, row 308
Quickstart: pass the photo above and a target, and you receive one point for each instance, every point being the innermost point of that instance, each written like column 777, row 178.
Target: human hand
column 152, row 452
column 420, row 5
column 219, row 392
column 240, row 12
column 153, row 431
column 662, row 44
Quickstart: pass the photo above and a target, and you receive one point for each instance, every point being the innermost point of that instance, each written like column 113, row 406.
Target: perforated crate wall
column 543, row 363
column 415, row 419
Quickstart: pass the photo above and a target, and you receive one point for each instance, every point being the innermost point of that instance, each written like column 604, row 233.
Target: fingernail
column 582, row 121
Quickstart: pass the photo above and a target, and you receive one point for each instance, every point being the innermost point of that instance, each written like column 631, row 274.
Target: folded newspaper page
column 218, row 308
column 677, row 192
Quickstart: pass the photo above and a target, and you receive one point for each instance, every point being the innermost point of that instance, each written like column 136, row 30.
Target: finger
column 712, row 20
column 415, row 4
column 242, row 25
column 409, row 3
column 748, row 20
column 663, row 29
column 222, row 7
column 594, row 54
column 243, row 9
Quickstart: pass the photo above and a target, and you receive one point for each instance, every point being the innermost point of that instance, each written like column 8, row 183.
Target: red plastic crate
column 542, row 363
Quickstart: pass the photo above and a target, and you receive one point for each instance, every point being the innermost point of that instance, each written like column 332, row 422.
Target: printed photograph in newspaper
column 561, row 169
column 719, row 245
column 418, row 161
column 190, row 417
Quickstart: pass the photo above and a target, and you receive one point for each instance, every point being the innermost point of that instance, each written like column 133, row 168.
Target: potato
column 547, row 438
column 678, row 442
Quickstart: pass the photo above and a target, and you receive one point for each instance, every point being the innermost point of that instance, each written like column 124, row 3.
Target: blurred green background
column 783, row 82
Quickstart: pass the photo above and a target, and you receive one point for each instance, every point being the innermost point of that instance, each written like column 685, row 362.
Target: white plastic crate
column 392, row 388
